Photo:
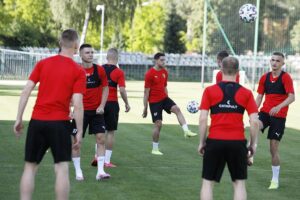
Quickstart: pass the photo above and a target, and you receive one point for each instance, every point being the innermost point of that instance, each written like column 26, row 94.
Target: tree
column 27, row 23
column 295, row 37
column 173, row 38
column 148, row 28
column 192, row 11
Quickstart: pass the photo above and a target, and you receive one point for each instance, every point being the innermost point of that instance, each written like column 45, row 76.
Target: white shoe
column 102, row 176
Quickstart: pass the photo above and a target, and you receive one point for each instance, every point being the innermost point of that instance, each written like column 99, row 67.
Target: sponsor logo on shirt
column 228, row 105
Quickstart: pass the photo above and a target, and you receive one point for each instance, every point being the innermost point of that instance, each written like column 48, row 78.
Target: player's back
column 116, row 77
column 58, row 76
column 227, row 102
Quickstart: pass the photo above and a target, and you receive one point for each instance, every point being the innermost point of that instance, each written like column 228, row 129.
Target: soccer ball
column 192, row 106
column 248, row 13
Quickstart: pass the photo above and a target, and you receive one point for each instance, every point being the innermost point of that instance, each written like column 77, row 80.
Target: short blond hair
column 112, row 54
column 230, row 65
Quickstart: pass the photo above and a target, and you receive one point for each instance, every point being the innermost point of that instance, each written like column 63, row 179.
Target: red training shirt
column 227, row 126
column 272, row 100
column 118, row 76
column 60, row 77
column 219, row 77
column 156, row 80
column 92, row 97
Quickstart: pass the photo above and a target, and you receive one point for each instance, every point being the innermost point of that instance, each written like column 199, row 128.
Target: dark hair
column 222, row 54
column 277, row 53
column 158, row 55
column 68, row 37
column 230, row 65
column 85, row 46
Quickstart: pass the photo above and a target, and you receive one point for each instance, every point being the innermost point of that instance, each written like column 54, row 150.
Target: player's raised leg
column 187, row 133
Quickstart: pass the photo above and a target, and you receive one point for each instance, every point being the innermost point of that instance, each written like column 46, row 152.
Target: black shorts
column 94, row 121
column 111, row 115
column 276, row 125
column 218, row 153
column 157, row 108
column 42, row 135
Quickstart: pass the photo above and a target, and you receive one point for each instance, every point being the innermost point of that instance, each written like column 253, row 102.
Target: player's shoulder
column 100, row 68
column 150, row 71
column 219, row 73
column 244, row 89
column 264, row 76
column 286, row 75
column 119, row 70
column 49, row 59
column 165, row 70
column 211, row 88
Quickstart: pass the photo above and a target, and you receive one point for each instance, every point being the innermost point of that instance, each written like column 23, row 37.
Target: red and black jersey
column 156, row 80
column 227, row 102
column 96, row 80
column 276, row 90
column 115, row 77
column 59, row 77
column 219, row 77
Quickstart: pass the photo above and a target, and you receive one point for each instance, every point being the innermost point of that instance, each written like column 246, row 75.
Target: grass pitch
column 140, row 175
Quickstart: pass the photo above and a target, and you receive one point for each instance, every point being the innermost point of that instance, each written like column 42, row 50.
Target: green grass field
column 140, row 175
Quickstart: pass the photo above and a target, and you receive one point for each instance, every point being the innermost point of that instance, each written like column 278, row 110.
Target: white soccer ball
column 248, row 13
column 192, row 106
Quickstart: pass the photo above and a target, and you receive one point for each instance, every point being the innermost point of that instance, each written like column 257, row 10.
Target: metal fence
column 17, row 65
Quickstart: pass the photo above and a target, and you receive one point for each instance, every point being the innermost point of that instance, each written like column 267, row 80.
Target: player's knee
column 158, row 124
column 175, row 109
column 100, row 139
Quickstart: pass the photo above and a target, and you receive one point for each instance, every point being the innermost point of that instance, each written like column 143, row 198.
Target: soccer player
column 220, row 56
column 116, row 77
column 94, row 102
column 61, row 80
column 226, row 142
column 277, row 86
column 156, row 93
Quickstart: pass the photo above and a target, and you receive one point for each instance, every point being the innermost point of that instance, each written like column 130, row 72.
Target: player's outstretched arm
column 78, row 116
column 123, row 94
column 146, row 97
column 202, row 130
column 22, row 104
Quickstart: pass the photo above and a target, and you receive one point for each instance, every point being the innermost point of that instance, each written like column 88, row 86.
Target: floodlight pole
column 255, row 45
column 102, row 8
column 204, row 42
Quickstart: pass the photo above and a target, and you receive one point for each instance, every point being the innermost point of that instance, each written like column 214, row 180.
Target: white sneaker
column 102, row 176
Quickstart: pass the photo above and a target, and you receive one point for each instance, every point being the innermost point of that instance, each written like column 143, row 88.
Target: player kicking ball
column 156, row 93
